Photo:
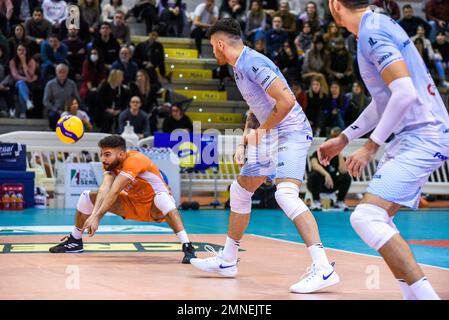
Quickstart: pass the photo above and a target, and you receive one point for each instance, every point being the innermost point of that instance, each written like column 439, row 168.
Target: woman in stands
column 72, row 108
column 18, row 37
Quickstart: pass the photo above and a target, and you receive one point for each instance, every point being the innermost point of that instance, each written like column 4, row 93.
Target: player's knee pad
column 164, row 202
column 240, row 199
column 287, row 197
column 373, row 225
column 85, row 205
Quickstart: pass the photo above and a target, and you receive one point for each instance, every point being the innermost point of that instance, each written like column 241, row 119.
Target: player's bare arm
column 108, row 180
column 251, row 123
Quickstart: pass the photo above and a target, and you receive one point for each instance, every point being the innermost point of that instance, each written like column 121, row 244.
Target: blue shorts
column 405, row 167
column 279, row 155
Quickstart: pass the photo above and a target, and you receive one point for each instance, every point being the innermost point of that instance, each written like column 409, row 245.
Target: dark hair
column 354, row 4
column 227, row 25
column 38, row 9
column 53, row 35
column 406, row 6
column 16, row 57
column 113, row 141
column 105, row 23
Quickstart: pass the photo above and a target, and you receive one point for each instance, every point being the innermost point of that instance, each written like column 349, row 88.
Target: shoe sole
column 335, row 280
column 75, row 251
column 219, row 272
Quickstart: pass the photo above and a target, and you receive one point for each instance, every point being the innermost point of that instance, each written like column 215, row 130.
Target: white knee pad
column 373, row 225
column 164, row 202
column 85, row 205
column 287, row 197
column 240, row 199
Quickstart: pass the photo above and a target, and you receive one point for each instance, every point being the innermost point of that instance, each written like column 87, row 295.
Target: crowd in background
column 52, row 64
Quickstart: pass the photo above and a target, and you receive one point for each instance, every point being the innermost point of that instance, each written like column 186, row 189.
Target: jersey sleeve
column 132, row 167
column 380, row 48
column 261, row 73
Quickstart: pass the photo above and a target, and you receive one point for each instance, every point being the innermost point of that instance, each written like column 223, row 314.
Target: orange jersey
column 145, row 177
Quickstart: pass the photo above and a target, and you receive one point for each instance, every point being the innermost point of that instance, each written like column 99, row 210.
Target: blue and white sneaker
column 316, row 278
column 216, row 264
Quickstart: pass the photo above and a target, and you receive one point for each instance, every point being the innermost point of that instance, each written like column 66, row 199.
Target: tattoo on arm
column 275, row 109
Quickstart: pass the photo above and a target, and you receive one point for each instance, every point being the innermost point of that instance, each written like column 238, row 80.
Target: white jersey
column 381, row 42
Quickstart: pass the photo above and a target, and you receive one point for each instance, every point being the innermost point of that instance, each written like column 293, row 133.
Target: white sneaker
column 316, row 205
column 315, row 279
column 341, row 205
column 216, row 264
column 29, row 104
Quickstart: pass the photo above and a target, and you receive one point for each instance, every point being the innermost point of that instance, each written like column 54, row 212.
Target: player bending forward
column 132, row 188
column 406, row 103
column 284, row 128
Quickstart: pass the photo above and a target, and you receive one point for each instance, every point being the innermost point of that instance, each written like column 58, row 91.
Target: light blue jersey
column 381, row 42
column 254, row 73
column 421, row 143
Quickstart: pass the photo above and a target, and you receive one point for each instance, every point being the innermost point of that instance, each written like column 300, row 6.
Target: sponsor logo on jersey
column 265, row 80
column 384, row 57
column 255, row 69
column 377, row 176
column 440, row 156
column 354, row 127
column 371, row 42
column 431, row 89
column 280, row 164
column 446, row 131
column 406, row 43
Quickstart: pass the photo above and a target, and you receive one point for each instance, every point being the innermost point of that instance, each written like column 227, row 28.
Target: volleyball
column 69, row 129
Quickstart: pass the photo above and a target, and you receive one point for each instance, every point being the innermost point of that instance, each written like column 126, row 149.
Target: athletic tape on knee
column 240, row 199
column 287, row 197
column 372, row 224
column 85, row 205
column 164, row 202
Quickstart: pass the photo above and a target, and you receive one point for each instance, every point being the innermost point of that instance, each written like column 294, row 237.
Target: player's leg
column 164, row 206
column 74, row 242
column 372, row 220
column 225, row 262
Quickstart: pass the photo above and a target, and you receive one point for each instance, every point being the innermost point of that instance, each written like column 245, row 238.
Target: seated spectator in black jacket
column 120, row 29
column 19, row 37
column 150, row 54
column 331, row 178
column 112, row 98
column 107, row 45
column 38, row 28
column 136, row 117
column 177, row 120
column 76, row 52
column 410, row 23
column 125, row 64
column 317, row 101
column 358, row 101
column 288, row 62
column 341, row 64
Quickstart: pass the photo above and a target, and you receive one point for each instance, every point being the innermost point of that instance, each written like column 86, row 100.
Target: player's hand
column 328, row 182
column 331, row 148
column 358, row 160
column 239, row 156
column 254, row 137
column 91, row 225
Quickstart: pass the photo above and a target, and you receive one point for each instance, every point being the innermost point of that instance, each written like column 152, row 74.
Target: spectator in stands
column 145, row 90
column 109, row 10
column 316, row 59
column 6, row 91
column 233, row 9
column 150, row 55
column 423, row 52
column 390, row 7
column 205, row 15
column 81, row 24
column 437, row 13
column 55, row 11
column 304, row 39
column 410, row 23
column 6, row 9
column 288, row 18
column 56, row 93
column 38, row 28
column 90, row 13
column 106, row 44
column 311, row 16
column 333, row 32
column 120, row 30
column 93, row 73
column 334, row 115
column 255, row 21
column 288, row 62
column 441, row 48
column 146, row 9
column 272, row 5
column 126, row 65
column 112, row 98
column 329, row 179
column 317, row 99
column 136, row 117
column 341, row 63
column 275, row 37
column 358, row 101
column 19, row 37
column 261, row 47
column 24, row 74
column 72, row 108
column 76, row 52
column 53, row 52
column 172, row 18
column 177, row 120
column 300, row 94
column 22, row 10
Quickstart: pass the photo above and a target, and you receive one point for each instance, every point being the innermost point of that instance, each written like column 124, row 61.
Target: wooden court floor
column 148, row 267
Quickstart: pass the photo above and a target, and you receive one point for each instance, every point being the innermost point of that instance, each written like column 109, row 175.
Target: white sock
column 318, row 254
column 76, row 233
column 407, row 292
column 231, row 249
column 423, row 290
column 183, row 237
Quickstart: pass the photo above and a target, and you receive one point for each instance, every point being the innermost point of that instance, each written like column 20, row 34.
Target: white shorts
column 279, row 155
column 405, row 167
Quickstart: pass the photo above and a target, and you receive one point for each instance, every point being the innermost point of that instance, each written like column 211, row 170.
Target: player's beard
column 114, row 164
